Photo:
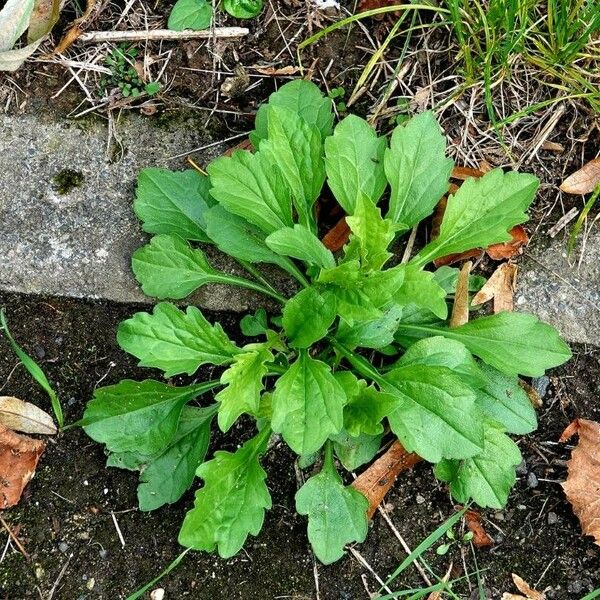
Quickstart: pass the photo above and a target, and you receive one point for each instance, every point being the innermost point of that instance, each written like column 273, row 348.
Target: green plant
column 198, row 14
column 124, row 76
column 34, row 370
column 363, row 346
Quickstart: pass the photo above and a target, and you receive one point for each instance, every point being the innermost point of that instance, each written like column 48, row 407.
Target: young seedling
column 361, row 348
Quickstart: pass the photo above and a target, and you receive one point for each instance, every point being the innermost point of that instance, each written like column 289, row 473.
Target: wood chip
column 563, row 222
column 375, row 482
column 553, row 146
column 337, row 236
column 583, row 181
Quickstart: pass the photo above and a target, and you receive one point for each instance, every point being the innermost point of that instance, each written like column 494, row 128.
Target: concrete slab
column 79, row 242
column 565, row 292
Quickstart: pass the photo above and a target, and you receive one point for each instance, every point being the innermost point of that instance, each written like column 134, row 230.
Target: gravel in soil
column 65, row 517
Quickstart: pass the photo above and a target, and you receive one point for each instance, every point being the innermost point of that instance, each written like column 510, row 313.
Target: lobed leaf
column 337, row 515
column 232, row 502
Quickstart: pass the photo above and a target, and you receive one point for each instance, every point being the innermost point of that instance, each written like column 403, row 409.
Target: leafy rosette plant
column 362, row 350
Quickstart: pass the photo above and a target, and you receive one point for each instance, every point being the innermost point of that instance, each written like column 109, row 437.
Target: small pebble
column 541, row 385
column 157, row 594
column 522, row 468
column 59, row 340
column 420, row 499
column 103, row 553
column 532, row 480
column 40, row 352
column 499, row 516
column 63, row 546
column 575, row 587
column 90, row 584
column 552, row 518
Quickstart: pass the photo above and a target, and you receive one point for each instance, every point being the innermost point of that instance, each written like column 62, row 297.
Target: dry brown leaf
column 528, row 592
column 19, row 455
column 583, row 181
column 463, row 173
column 532, row 394
column 274, row 72
column 75, row 30
column 337, row 236
column 553, row 146
column 474, row 523
column 500, row 286
column 23, row 416
column 582, row 486
column 460, row 308
column 519, row 239
column 375, row 481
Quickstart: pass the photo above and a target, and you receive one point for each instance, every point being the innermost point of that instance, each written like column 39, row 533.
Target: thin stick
column 360, row 558
column 15, row 539
column 60, row 576
column 121, row 538
column 97, row 37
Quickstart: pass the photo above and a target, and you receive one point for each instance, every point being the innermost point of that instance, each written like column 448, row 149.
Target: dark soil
column 64, row 519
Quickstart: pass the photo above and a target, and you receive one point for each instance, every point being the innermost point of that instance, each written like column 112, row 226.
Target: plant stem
column 365, row 368
column 250, row 285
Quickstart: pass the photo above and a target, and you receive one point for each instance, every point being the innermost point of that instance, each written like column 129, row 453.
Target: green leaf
column 354, row 162
column 301, row 243
column 421, row 289
column 175, row 341
column 307, row 317
column 504, row 400
column 376, row 333
column 436, row 415
column 481, row 213
column 137, row 416
column 190, row 14
column 243, row 9
column 34, row 370
column 355, row 451
column 488, row 477
column 439, row 351
column 373, row 233
column 308, row 405
column 294, row 147
column 173, row 202
column 514, row 343
column 231, row 505
column 256, row 324
column 447, row 277
column 168, row 267
column 337, row 515
column 244, row 381
column 301, row 97
column 366, row 410
column 242, row 240
column 417, row 169
column 249, row 186
column 170, row 474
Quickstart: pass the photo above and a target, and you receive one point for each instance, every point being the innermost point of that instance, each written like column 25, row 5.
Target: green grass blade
column 431, row 539
column 34, row 370
column 584, row 213
column 592, row 595
column 139, row 593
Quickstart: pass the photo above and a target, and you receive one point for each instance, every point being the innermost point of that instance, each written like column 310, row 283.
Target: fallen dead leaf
column 524, row 588
column 553, row 146
column 337, row 236
column 583, row 181
column 500, row 287
column 375, row 482
column 463, row 173
column 532, row 394
column 19, row 456
column 274, row 72
column 474, row 523
column 23, row 416
column 582, row 486
column 460, row 308
column 506, row 250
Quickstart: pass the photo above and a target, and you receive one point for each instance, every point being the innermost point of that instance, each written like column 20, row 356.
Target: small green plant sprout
column 452, row 539
column 34, row 370
column 124, row 76
column 337, row 94
column 362, row 348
